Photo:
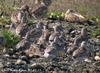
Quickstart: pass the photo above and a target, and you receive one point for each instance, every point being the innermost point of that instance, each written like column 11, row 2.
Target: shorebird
column 18, row 29
column 14, row 18
column 82, row 37
column 45, row 35
column 39, row 25
column 56, row 44
column 46, row 53
column 33, row 50
column 72, row 49
column 79, row 50
column 53, row 37
column 49, row 51
column 54, row 34
column 18, row 16
column 21, row 15
column 73, row 16
column 54, row 49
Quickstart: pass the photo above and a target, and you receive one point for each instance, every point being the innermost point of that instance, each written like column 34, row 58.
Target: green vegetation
column 4, row 20
column 98, row 53
column 56, row 15
column 96, row 33
column 96, row 19
column 31, row 22
column 97, row 63
column 11, row 39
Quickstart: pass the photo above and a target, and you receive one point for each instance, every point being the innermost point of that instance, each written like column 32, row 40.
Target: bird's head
column 70, row 11
column 83, row 44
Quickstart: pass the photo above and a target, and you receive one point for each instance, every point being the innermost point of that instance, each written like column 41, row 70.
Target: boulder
column 2, row 40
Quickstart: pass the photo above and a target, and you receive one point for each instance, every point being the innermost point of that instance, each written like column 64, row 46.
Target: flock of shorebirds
column 51, row 42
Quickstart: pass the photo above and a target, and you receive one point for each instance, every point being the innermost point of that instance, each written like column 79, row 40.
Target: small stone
column 97, row 58
column 33, row 65
column 97, row 40
column 1, row 65
column 25, row 58
column 4, row 50
column 7, row 26
column 87, row 60
column 19, row 61
column 46, row 55
column 30, row 55
column 8, row 63
column 37, row 66
column 98, row 36
column 7, row 55
column 54, row 72
column 14, row 57
column 2, row 40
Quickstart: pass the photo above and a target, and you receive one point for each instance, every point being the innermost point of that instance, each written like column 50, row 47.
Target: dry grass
column 89, row 8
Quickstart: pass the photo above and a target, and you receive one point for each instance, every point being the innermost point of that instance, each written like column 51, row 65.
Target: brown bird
column 14, row 18
column 53, row 36
column 49, row 51
column 73, row 48
column 73, row 16
column 82, row 37
column 20, row 15
column 18, row 29
column 45, row 35
column 33, row 50
column 80, row 50
column 56, row 34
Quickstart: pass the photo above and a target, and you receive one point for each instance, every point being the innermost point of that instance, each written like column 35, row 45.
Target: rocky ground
column 15, row 61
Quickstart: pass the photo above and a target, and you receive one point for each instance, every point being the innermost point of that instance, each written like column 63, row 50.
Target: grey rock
column 2, row 40
column 1, row 65
column 19, row 61
column 6, row 55
column 25, row 58
column 37, row 67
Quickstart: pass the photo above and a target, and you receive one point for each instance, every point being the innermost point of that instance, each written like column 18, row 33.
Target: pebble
column 97, row 40
column 33, row 64
column 97, row 58
column 19, row 61
column 1, row 65
column 4, row 50
column 24, row 58
column 2, row 40
column 7, row 26
column 8, row 63
column 6, row 55
column 98, row 37
column 14, row 57
column 37, row 66
column 87, row 60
